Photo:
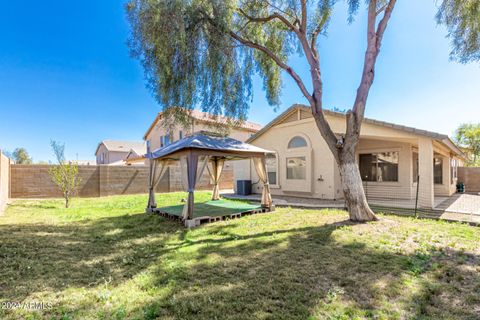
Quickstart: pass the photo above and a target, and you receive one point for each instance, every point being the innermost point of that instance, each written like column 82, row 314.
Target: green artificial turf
column 222, row 207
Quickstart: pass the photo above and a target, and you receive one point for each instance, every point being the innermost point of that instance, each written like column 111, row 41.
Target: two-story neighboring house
column 158, row 136
column 115, row 152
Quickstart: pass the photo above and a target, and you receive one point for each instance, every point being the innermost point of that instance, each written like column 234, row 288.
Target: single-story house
column 392, row 159
column 115, row 152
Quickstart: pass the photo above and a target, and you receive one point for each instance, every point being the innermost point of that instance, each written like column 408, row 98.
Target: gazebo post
column 192, row 164
column 261, row 168
column 151, row 175
column 217, row 168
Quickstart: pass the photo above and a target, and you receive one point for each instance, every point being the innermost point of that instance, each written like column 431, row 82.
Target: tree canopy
column 468, row 137
column 199, row 53
column 21, row 156
column 462, row 19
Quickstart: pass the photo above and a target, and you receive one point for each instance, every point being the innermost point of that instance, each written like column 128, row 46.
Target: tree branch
column 268, row 52
column 273, row 16
column 382, row 25
column 303, row 24
column 281, row 10
column 277, row 60
column 381, row 9
column 374, row 38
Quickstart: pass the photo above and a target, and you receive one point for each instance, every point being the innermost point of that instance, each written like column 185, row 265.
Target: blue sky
column 66, row 75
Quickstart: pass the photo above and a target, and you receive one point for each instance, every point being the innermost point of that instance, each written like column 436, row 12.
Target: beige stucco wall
column 321, row 169
column 110, row 156
column 115, row 156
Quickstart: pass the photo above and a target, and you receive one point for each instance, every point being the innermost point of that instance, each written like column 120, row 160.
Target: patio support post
column 261, row 168
column 425, row 170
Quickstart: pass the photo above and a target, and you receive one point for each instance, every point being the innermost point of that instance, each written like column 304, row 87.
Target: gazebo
column 196, row 153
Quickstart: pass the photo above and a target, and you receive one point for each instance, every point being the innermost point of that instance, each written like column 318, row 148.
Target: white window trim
column 277, row 185
column 297, row 185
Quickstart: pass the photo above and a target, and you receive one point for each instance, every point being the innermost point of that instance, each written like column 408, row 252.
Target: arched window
column 297, row 142
column 272, row 165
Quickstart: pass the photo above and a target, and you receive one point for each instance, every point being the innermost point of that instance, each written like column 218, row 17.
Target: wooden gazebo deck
column 211, row 211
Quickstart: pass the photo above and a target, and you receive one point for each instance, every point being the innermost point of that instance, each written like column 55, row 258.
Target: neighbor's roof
column 123, row 146
column 134, row 157
column 209, row 118
column 205, row 141
column 434, row 135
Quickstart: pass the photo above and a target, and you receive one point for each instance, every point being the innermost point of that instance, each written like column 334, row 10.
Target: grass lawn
column 105, row 259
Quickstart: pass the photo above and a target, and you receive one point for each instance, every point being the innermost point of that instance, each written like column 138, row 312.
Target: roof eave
column 433, row 135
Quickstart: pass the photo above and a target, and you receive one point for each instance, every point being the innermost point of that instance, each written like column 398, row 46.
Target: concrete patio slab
column 459, row 207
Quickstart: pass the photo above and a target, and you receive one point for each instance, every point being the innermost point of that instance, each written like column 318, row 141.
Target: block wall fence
column 33, row 181
column 471, row 177
column 4, row 180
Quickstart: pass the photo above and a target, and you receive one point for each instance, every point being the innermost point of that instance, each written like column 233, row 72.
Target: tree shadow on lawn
column 220, row 273
column 310, row 275
column 37, row 257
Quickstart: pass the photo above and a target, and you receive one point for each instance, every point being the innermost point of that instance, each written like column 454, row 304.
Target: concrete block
column 192, row 223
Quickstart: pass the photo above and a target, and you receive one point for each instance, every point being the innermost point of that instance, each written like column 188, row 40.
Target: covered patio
column 197, row 153
column 457, row 207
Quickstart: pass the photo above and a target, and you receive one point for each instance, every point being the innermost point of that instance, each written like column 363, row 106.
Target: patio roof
column 208, row 143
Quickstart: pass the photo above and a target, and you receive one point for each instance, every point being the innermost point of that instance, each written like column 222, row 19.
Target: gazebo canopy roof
column 208, row 144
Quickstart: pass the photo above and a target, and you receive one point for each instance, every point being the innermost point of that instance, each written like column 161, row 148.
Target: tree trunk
column 67, row 200
column 355, row 200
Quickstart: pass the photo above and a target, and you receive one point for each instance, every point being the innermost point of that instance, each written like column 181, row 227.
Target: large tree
column 21, row 156
column 468, row 137
column 199, row 52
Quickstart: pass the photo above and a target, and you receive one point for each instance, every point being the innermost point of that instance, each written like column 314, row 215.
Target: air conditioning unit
column 244, row 187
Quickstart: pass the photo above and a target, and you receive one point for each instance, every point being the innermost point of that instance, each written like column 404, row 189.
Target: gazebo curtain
column 192, row 171
column 215, row 168
column 157, row 169
column 261, row 168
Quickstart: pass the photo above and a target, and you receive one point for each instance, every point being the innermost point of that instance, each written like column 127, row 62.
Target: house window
column 164, row 140
column 180, row 135
column 296, row 168
column 380, row 167
column 271, row 163
column 297, row 142
column 415, row 166
column 438, row 170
